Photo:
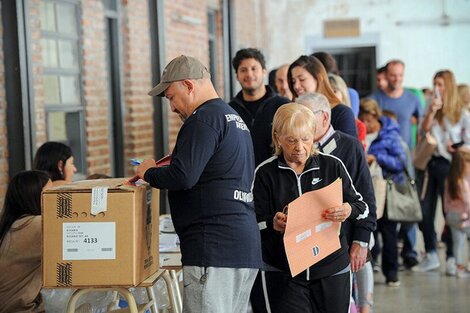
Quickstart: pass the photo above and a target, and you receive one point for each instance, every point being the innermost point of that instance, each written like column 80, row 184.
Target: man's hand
column 144, row 166
column 357, row 256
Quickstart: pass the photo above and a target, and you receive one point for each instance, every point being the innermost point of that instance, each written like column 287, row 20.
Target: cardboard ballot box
column 99, row 233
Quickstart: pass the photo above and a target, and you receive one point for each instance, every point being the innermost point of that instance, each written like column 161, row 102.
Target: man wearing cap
column 256, row 102
column 209, row 182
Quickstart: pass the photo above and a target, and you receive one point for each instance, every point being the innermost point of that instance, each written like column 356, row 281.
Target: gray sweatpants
column 217, row 289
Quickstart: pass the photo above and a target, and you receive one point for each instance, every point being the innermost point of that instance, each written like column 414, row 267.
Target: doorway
column 357, row 67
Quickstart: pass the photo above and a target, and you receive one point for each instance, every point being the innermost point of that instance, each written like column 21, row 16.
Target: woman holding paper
column 297, row 168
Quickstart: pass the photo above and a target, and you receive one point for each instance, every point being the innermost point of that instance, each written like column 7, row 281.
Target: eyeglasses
column 317, row 111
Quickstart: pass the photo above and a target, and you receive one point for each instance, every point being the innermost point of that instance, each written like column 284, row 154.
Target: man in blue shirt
column 397, row 99
column 407, row 108
column 209, row 182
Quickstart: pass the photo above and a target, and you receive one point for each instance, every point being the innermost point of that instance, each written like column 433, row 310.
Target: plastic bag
column 56, row 300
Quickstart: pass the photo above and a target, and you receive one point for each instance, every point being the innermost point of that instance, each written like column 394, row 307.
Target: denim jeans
column 408, row 233
column 437, row 170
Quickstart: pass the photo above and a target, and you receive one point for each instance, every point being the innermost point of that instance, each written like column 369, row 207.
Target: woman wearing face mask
column 56, row 159
column 449, row 123
column 307, row 74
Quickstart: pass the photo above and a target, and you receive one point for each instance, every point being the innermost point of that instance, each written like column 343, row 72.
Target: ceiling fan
column 443, row 20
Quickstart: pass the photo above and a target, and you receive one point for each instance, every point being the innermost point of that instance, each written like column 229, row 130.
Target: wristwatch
column 361, row 243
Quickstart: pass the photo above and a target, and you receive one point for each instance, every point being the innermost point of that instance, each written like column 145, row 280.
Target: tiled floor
column 432, row 292
column 422, row 293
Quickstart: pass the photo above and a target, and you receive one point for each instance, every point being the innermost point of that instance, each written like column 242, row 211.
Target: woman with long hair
column 20, row 243
column 449, row 124
column 307, row 74
column 457, row 206
column 341, row 91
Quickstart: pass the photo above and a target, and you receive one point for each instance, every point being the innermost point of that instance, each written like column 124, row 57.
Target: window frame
column 78, row 107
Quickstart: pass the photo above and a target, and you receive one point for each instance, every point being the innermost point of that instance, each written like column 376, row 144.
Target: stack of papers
column 169, row 242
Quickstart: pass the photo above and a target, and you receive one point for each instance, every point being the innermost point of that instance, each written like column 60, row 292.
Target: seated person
column 20, row 243
column 57, row 159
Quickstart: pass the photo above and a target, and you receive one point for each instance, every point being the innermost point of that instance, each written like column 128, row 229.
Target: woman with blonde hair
column 307, row 74
column 341, row 91
column 464, row 94
column 297, row 168
column 449, row 124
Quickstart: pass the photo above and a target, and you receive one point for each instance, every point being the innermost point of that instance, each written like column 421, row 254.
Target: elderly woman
column 295, row 169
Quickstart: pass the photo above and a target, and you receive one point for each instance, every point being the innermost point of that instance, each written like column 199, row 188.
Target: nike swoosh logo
column 316, row 180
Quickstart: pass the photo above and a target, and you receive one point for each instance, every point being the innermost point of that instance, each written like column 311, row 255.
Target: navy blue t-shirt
column 342, row 119
column 209, row 181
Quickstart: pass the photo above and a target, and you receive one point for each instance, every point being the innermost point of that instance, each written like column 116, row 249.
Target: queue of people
column 236, row 166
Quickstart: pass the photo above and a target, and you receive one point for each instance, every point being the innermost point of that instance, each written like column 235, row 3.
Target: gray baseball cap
column 180, row 68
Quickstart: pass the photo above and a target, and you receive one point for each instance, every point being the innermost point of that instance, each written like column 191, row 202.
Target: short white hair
column 315, row 102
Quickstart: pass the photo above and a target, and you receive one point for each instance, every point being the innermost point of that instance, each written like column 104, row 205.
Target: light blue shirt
column 404, row 107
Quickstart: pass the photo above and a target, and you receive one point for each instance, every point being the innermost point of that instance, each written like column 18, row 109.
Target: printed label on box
column 89, row 241
column 99, row 200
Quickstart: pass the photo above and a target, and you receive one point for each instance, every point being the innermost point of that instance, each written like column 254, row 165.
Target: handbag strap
column 405, row 170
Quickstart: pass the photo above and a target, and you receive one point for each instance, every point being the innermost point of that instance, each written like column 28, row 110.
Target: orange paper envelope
column 308, row 237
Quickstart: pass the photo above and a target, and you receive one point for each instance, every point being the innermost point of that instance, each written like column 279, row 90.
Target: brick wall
column 137, row 79
column 37, row 71
column 95, row 88
column 3, row 127
column 250, row 26
column 220, row 53
column 186, row 32
column 182, row 17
